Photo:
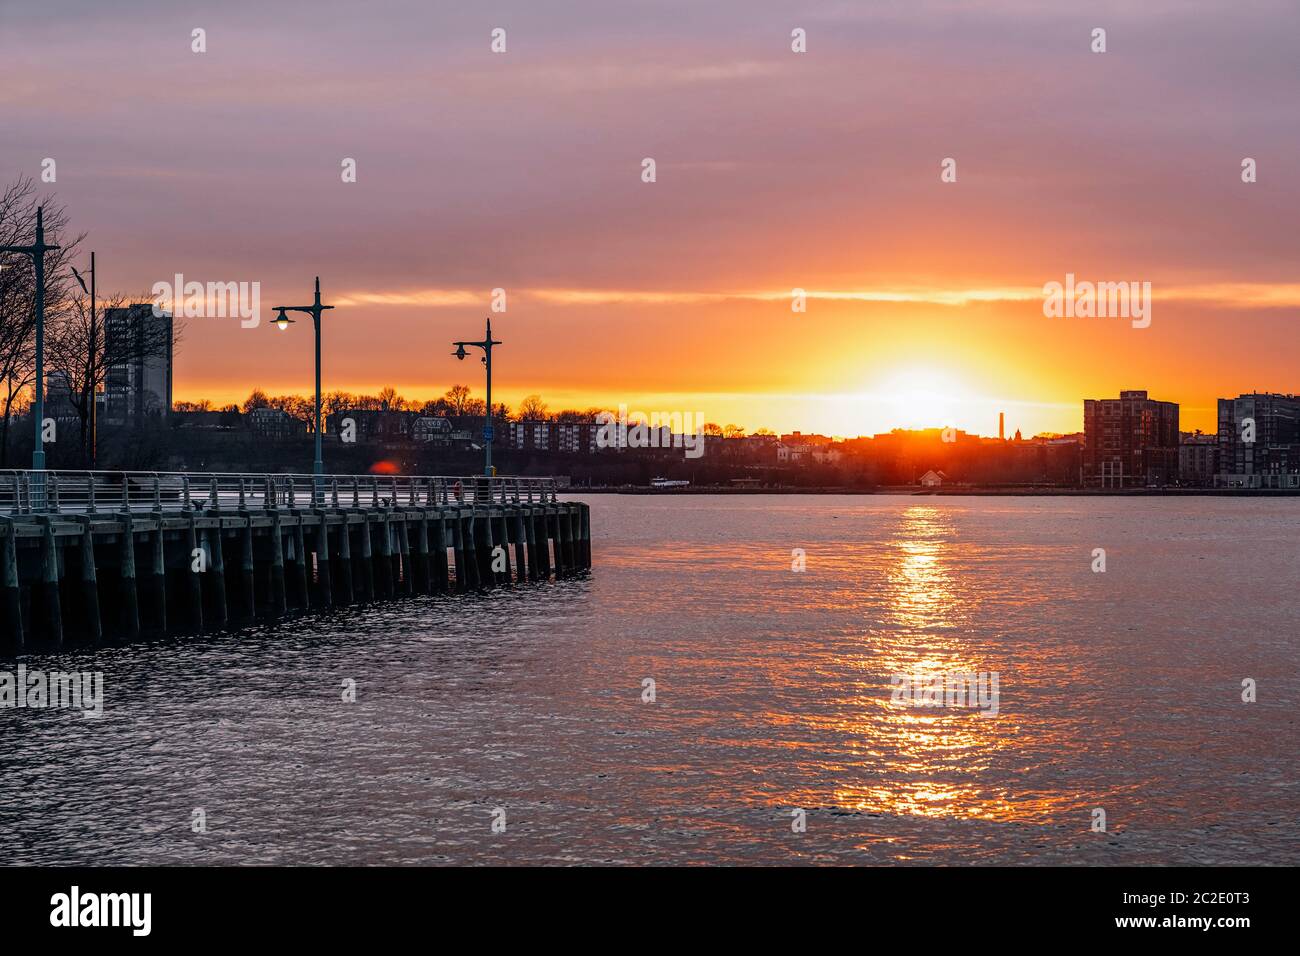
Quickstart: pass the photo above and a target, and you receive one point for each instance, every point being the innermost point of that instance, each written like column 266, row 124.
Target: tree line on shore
column 458, row 401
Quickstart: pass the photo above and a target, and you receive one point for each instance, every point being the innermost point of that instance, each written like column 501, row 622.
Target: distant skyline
column 775, row 170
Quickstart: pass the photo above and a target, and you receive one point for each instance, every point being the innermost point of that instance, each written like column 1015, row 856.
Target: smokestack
column 1002, row 422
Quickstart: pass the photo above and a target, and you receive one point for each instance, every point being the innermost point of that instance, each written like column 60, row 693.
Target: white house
column 932, row 478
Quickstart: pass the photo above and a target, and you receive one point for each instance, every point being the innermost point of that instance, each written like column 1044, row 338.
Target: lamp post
column 93, row 353
column 460, row 353
column 37, row 252
column 282, row 322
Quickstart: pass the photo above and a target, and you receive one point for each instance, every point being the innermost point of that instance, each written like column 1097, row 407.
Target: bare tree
column 532, row 408
column 84, row 360
column 256, row 399
column 18, row 203
column 457, row 396
column 440, row 407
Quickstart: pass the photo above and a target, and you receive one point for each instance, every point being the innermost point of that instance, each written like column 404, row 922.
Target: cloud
column 1238, row 295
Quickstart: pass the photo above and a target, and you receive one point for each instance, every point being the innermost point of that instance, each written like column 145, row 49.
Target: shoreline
column 987, row 492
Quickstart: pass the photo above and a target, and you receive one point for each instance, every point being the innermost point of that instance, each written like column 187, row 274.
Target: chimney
column 1002, row 421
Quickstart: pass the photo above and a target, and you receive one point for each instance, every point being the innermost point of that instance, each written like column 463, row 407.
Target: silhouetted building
column 1198, row 460
column 1130, row 441
column 139, row 383
column 431, row 429
column 1259, row 441
column 370, row 425
column 58, row 398
column 565, row 437
column 275, row 424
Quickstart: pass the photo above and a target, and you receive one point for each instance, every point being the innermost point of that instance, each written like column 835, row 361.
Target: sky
column 774, row 170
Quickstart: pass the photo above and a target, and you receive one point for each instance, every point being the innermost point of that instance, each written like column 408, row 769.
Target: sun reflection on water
column 923, row 761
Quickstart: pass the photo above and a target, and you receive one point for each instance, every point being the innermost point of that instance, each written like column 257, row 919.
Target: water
column 1119, row 691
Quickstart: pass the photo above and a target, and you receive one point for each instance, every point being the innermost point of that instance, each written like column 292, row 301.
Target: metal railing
column 91, row 492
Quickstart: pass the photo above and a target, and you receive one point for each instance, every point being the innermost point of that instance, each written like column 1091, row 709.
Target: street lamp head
column 460, row 352
column 80, row 281
column 282, row 321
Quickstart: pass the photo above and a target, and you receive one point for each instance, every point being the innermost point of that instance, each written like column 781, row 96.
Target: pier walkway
column 98, row 556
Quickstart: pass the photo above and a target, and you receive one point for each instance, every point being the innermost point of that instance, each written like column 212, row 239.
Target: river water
column 772, row 737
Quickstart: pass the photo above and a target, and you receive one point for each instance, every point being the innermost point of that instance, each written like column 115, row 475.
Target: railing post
column 54, row 493
column 242, row 501
column 126, row 492
column 334, row 495
column 214, row 498
column 90, row 493
column 185, row 491
column 290, row 489
column 356, row 493
column 157, row 494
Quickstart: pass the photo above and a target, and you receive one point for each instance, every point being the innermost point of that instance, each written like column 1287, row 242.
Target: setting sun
column 925, row 398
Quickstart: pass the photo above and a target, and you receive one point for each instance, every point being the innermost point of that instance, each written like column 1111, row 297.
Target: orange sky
column 775, row 170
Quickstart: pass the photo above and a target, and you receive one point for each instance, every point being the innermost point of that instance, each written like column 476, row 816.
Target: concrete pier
column 260, row 548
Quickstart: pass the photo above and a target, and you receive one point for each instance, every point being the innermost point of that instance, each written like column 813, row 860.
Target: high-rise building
column 1130, row 441
column 138, row 350
column 1259, row 441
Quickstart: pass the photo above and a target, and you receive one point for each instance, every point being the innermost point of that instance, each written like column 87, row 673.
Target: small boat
column 668, row 483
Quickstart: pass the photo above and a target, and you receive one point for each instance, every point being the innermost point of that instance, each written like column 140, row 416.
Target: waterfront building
column 1130, row 441
column 1198, row 460
column 1259, row 441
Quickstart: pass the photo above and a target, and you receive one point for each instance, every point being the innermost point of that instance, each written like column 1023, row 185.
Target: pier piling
column 129, row 596
column 367, row 560
column 215, row 575
column 94, row 627
column 52, row 606
column 401, row 528
column 279, row 595
column 345, row 593
column 11, row 604
column 324, row 581
column 423, row 572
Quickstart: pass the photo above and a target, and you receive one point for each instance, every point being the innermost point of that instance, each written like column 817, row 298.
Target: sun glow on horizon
column 921, row 397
